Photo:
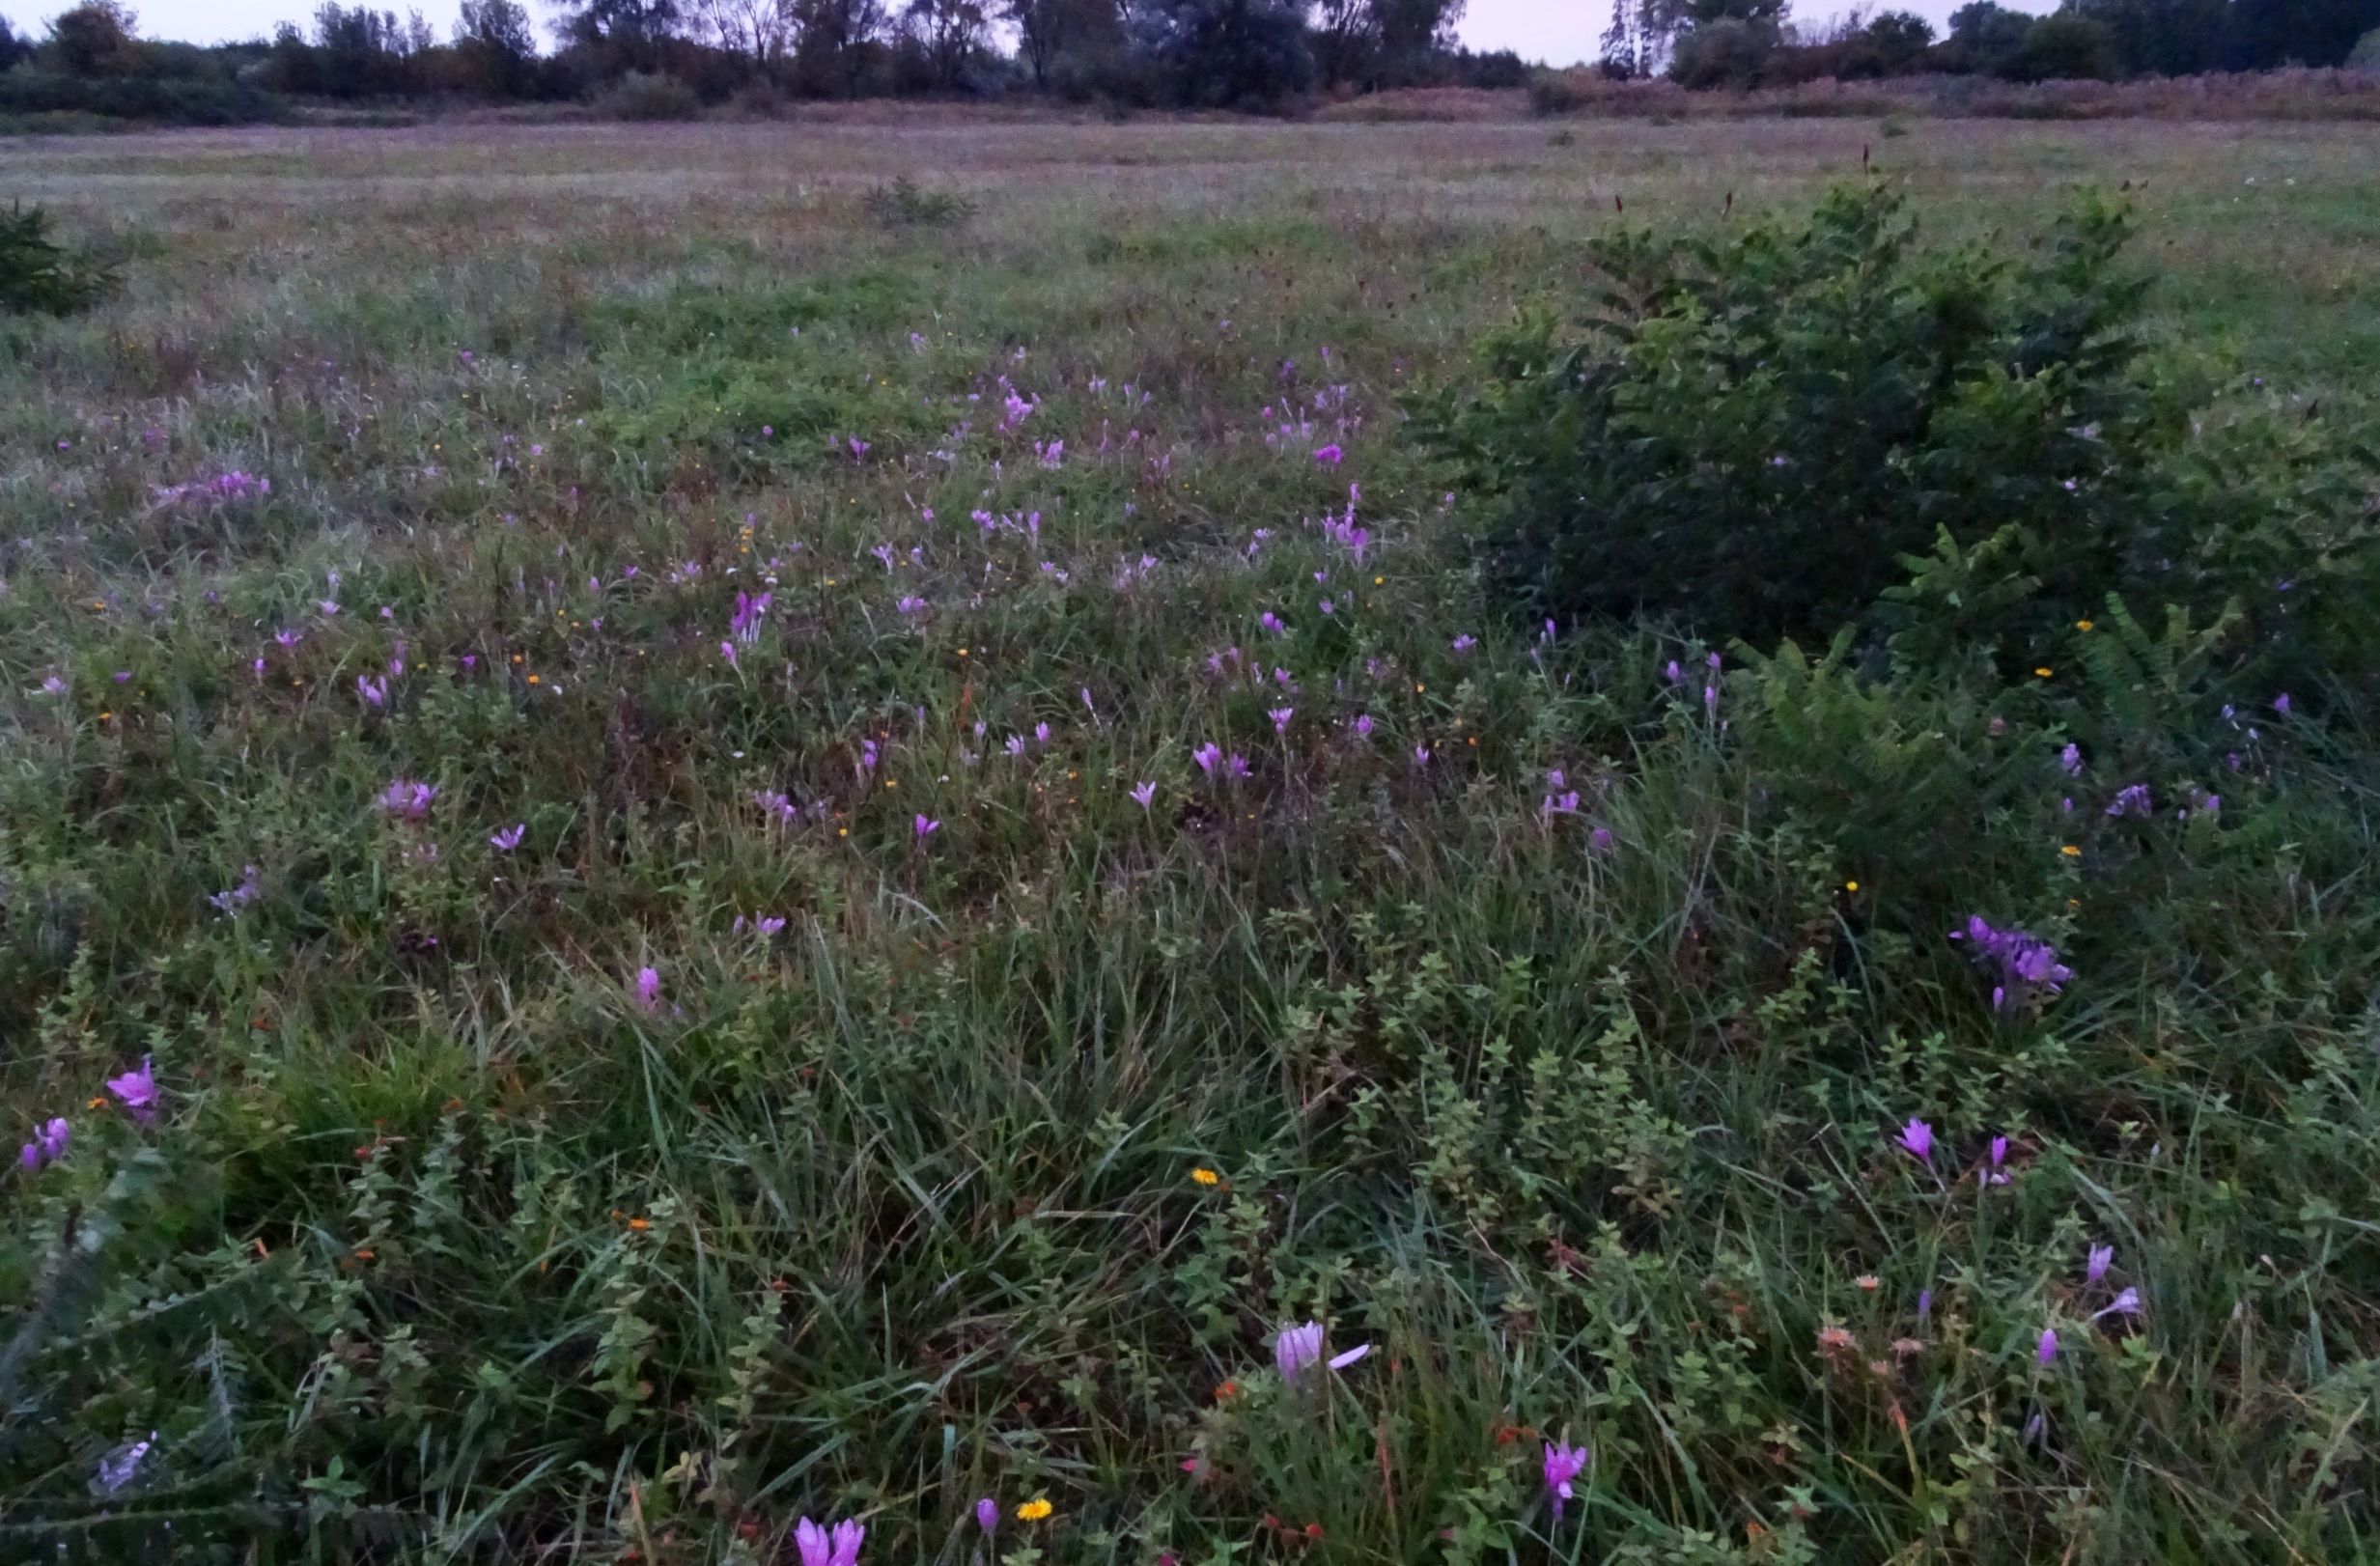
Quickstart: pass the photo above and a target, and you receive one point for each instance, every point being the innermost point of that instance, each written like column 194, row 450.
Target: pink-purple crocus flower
column 1563, row 1464
column 1299, row 1348
column 820, row 1547
column 649, row 988
column 49, row 1144
column 925, row 826
column 1916, row 1139
column 137, row 1090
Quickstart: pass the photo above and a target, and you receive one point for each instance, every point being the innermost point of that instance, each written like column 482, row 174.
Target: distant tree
column 950, row 36
column 2266, row 33
column 12, row 47
column 1642, row 34
column 2164, row 38
column 1895, row 42
column 2366, row 55
column 1227, row 54
column 495, row 47
column 623, row 34
column 1727, row 52
column 760, row 32
column 98, row 37
column 1346, row 40
column 2065, row 47
column 1049, row 31
column 360, row 52
column 1412, row 31
column 836, row 38
column 1985, row 36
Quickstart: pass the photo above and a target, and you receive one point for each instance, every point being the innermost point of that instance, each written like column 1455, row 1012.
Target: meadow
column 710, row 826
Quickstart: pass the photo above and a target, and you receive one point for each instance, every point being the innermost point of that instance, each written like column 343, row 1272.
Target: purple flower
column 509, row 839
column 2133, row 800
column 2095, row 1266
column 1271, row 623
column 2045, row 1351
column 1235, row 766
column 1280, row 717
column 1600, row 839
column 1041, row 734
column 49, row 1144
column 1565, row 804
column 767, row 925
column 407, row 799
column 1363, row 725
column 2126, row 1303
column 1925, row 1305
column 1144, row 794
column 988, row 1514
column 818, row 1547
column 1206, row 756
column 137, row 1090
column 2281, row 704
column 1298, row 1349
column 1917, row 1138
column 116, row 1467
column 925, row 825
column 1562, row 1465
column 374, row 692
column 2022, row 961
column 2071, row 760
column 1466, row 642
column 1994, row 1174
column 649, row 988
column 1421, row 756
column 1329, row 455
column 1015, row 745
column 867, row 757
column 231, row 900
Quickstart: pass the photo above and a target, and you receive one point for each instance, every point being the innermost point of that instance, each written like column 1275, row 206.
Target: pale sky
column 1557, row 31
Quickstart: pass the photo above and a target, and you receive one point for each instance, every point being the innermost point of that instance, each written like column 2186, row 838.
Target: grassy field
column 623, row 715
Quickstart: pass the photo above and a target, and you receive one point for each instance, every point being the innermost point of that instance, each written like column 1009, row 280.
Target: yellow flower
column 1851, row 885
column 1205, row 1177
column 2042, row 672
column 2071, row 851
column 2082, row 624
column 1036, row 1510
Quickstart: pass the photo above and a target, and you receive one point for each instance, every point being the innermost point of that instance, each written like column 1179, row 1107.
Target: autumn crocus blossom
column 1563, row 1464
column 649, row 988
column 820, row 1547
column 49, row 1144
column 2045, row 1352
column 988, row 1514
column 2095, row 1266
column 137, row 1090
column 1916, row 1139
column 1298, row 1348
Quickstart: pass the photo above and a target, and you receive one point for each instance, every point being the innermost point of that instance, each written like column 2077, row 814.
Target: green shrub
column 36, row 274
column 649, row 95
column 904, row 203
column 1758, row 438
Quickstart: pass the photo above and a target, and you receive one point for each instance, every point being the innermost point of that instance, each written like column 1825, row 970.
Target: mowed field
column 789, row 845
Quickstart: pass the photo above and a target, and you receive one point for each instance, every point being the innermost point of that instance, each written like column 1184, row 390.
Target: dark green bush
column 36, row 274
column 179, row 101
column 1759, row 437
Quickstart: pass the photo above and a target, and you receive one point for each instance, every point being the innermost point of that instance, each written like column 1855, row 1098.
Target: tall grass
column 996, row 1169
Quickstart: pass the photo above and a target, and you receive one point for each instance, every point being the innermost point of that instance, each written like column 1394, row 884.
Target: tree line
column 664, row 57
column 1228, row 54
column 1753, row 42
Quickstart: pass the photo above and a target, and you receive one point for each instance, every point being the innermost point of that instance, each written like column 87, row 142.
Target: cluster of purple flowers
column 2023, row 964
column 223, row 486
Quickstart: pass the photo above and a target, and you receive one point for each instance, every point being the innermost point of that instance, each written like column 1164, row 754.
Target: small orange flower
column 640, row 1225
column 1868, row 1281
column 1205, row 1177
column 1228, row 1391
